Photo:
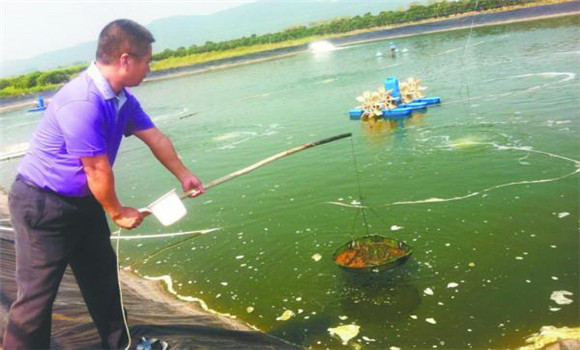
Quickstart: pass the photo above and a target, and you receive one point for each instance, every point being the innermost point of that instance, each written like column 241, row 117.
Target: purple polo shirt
column 83, row 119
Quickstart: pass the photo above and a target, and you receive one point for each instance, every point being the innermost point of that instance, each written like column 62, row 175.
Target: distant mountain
column 259, row 17
column 81, row 53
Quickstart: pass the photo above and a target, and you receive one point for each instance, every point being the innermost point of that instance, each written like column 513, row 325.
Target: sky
column 29, row 28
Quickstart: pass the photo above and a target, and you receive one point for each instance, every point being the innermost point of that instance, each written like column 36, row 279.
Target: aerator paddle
column 169, row 208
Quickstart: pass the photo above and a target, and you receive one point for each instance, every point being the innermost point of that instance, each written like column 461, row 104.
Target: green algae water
column 485, row 188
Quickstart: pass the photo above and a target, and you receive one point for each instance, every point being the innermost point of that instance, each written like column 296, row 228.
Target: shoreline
column 430, row 26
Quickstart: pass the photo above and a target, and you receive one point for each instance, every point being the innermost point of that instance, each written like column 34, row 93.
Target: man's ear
column 124, row 60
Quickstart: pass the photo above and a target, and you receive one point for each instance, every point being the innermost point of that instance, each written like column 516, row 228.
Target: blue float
column 37, row 109
column 429, row 100
column 414, row 105
column 397, row 112
column 355, row 114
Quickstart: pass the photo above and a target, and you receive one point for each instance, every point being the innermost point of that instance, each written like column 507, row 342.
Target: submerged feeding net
column 372, row 252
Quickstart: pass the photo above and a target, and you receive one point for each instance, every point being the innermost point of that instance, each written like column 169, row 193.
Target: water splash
column 321, row 46
column 238, row 137
column 567, row 75
column 14, row 151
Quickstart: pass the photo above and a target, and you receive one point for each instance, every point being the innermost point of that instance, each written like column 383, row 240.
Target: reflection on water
column 382, row 131
column 387, row 301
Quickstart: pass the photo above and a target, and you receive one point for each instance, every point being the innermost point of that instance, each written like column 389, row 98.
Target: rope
column 364, row 215
column 121, row 294
column 167, row 247
column 378, row 216
column 465, row 50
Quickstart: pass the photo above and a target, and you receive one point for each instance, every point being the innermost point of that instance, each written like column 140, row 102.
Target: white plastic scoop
column 168, row 209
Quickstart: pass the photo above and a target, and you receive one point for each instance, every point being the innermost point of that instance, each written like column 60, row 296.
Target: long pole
column 268, row 160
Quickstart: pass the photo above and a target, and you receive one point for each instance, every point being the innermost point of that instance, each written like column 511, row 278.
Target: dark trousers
column 51, row 232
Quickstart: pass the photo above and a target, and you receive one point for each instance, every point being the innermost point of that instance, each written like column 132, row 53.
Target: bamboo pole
column 268, row 160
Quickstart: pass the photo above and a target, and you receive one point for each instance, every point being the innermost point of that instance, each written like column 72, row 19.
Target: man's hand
column 192, row 183
column 127, row 218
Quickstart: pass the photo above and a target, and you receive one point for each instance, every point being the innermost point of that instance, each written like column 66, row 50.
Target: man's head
column 126, row 45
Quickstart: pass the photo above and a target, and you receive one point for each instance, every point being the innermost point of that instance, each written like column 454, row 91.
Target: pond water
column 484, row 188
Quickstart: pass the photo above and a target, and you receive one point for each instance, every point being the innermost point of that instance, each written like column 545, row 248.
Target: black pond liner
column 372, row 253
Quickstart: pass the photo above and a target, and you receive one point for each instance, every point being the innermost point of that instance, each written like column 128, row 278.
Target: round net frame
column 371, row 252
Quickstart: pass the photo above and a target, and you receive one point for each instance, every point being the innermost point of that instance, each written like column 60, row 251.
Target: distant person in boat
column 65, row 187
column 392, row 49
column 39, row 106
column 40, row 102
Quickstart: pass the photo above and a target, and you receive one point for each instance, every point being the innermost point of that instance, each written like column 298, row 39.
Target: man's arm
column 101, row 182
column 163, row 149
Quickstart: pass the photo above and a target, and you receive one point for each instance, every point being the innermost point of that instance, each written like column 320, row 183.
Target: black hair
column 123, row 36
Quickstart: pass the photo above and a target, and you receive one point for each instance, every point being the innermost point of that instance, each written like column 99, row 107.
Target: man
column 66, row 180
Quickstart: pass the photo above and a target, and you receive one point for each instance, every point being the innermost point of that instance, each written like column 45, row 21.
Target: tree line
column 50, row 80
column 38, row 81
column 415, row 12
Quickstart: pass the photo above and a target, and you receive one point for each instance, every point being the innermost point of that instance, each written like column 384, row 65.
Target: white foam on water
column 326, row 81
column 14, row 150
column 346, row 205
column 345, row 333
column 286, row 315
column 16, row 147
column 559, row 296
column 455, row 49
column 262, row 95
column 247, row 136
column 516, row 183
column 17, row 125
column 567, row 53
column 169, row 285
column 431, row 320
column 233, row 135
column 450, row 50
column 567, row 75
column 166, row 235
